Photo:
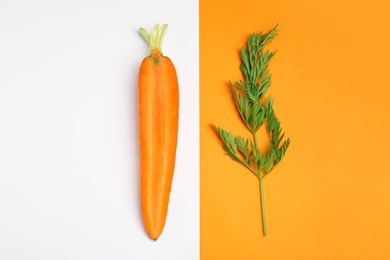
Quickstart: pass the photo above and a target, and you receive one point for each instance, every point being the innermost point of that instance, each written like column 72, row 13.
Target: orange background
column 329, row 197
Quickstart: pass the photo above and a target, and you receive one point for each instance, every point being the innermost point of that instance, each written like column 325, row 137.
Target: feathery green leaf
column 255, row 109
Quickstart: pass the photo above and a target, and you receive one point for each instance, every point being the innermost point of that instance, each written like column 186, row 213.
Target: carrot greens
column 256, row 110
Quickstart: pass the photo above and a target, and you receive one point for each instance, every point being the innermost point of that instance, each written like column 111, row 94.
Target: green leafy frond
column 248, row 94
column 255, row 110
column 238, row 148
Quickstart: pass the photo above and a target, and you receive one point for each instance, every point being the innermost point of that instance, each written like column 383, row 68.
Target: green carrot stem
column 260, row 175
column 155, row 39
column 263, row 207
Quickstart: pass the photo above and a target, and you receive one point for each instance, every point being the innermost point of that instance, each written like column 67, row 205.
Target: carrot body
column 158, row 107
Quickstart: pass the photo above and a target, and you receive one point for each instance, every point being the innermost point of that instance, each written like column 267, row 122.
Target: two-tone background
column 69, row 180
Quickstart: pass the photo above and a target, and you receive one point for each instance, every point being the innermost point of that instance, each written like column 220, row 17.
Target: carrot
column 158, row 108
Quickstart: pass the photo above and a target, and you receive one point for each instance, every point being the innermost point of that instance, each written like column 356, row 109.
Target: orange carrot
column 158, row 107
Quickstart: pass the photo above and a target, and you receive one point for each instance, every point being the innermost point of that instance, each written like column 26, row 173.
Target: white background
column 69, row 163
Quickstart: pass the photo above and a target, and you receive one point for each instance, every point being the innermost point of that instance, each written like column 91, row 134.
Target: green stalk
column 263, row 207
column 155, row 39
column 261, row 190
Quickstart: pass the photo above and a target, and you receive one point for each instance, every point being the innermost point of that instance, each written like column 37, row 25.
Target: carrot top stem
column 255, row 110
column 155, row 39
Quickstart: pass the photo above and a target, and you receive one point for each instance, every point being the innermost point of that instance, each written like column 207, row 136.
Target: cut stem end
column 156, row 38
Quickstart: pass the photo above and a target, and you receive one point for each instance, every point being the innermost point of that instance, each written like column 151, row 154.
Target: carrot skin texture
column 158, row 106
